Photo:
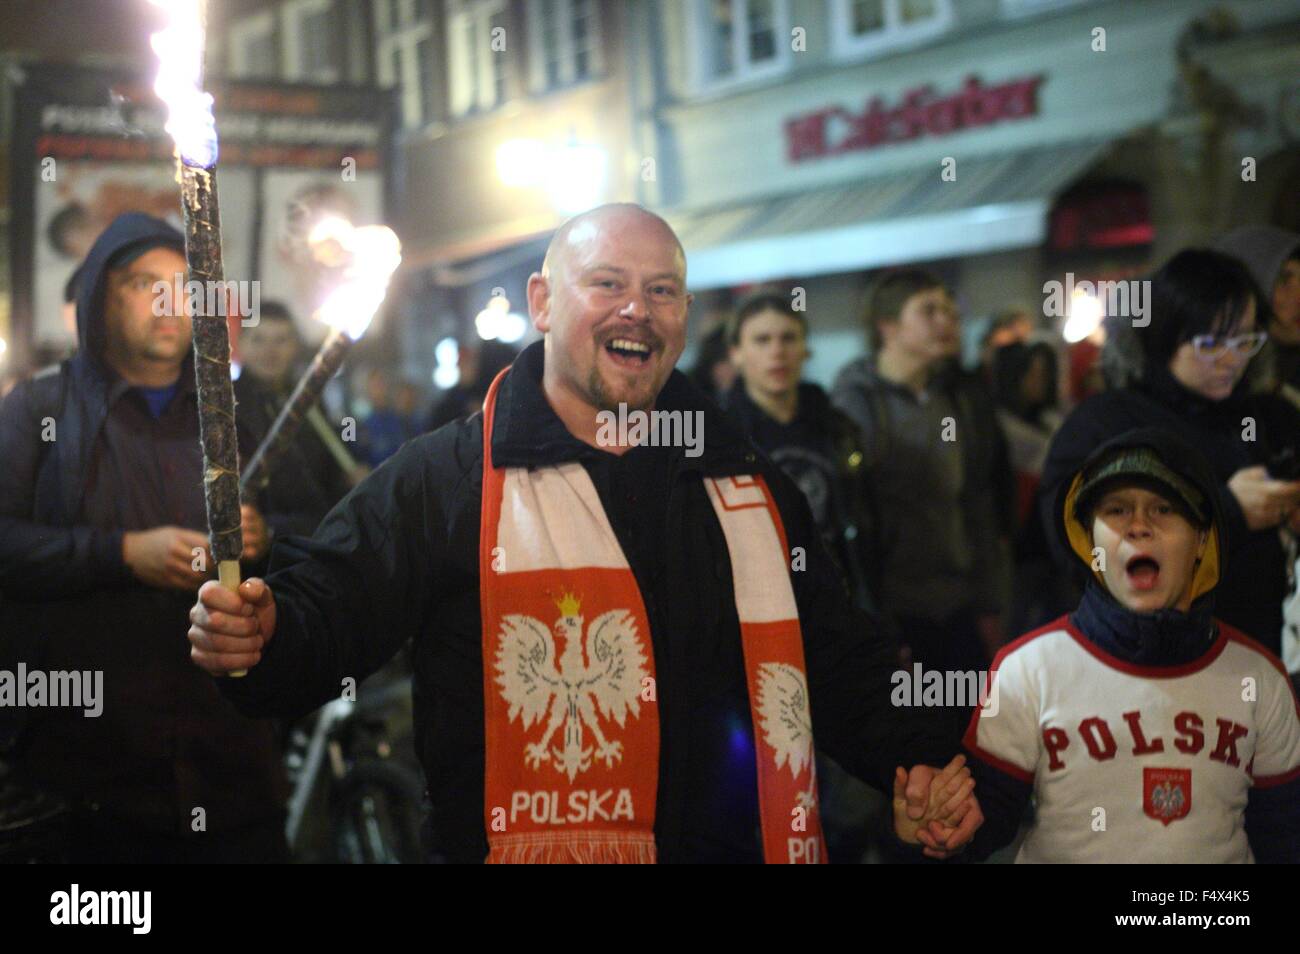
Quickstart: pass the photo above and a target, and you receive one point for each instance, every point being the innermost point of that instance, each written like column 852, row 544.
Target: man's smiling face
column 612, row 303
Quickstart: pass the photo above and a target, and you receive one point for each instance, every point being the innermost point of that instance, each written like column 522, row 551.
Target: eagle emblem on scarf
column 786, row 720
column 593, row 674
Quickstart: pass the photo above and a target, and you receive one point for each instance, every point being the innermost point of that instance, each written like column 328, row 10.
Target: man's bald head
column 584, row 230
column 612, row 303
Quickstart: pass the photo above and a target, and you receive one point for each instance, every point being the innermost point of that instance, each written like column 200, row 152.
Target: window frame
column 292, row 15
column 404, row 39
column 1015, row 9
column 537, row 82
column 892, row 37
column 463, row 102
column 243, row 32
column 699, row 25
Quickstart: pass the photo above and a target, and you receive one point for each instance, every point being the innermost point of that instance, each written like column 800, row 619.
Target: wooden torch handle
column 228, row 575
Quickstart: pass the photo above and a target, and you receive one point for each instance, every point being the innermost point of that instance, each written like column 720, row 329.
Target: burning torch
column 365, row 259
column 190, row 122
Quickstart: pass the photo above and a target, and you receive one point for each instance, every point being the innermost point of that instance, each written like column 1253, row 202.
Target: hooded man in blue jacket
column 102, row 547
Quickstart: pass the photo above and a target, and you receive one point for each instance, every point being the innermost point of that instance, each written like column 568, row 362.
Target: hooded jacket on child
column 1182, row 731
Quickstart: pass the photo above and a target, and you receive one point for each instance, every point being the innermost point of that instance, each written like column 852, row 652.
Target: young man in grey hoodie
column 937, row 464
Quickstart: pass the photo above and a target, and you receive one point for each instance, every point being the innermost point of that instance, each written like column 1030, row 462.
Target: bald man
column 623, row 651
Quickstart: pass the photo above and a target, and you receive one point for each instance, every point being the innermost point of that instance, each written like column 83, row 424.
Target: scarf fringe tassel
column 574, row 850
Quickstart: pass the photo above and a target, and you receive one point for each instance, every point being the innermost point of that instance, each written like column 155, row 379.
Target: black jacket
column 308, row 481
column 822, row 452
column 167, row 741
column 397, row 560
column 1250, row 595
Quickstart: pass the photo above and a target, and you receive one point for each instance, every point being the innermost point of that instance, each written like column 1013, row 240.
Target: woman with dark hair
column 1024, row 377
column 713, row 373
column 1205, row 325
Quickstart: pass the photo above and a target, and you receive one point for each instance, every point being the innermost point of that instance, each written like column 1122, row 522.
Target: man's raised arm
column 336, row 605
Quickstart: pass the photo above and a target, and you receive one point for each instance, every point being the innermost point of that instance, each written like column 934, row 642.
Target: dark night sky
column 71, row 29
column 66, row 29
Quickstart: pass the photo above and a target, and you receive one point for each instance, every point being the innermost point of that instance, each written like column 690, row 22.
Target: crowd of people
column 941, row 491
column 951, row 519
column 946, row 480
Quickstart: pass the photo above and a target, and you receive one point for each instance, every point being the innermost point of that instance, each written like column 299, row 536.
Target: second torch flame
column 365, row 259
column 368, row 257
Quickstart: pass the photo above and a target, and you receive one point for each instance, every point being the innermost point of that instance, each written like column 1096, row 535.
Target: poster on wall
column 89, row 145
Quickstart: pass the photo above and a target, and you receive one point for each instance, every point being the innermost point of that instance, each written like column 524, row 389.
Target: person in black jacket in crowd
column 1205, row 325
column 938, row 470
column 1273, row 257
column 309, row 480
column 399, row 560
column 1024, row 380
column 792, row 421
column 1133, row 710
column 102, row 547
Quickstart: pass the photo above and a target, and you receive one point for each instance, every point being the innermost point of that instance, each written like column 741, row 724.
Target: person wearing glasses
column 1204, row 325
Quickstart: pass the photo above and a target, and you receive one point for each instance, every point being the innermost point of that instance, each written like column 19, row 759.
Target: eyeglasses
column 1211, row 348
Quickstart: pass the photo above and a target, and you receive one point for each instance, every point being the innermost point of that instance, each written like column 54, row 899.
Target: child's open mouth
column 1143, row 572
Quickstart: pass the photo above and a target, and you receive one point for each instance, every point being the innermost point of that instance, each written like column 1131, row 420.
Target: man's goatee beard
column 602, row 400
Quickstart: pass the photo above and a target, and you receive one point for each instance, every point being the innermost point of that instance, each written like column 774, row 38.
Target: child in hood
column 1144, row 729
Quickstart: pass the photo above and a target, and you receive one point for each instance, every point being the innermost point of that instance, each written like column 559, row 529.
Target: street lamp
column 572, row 175
column 1084, row 319
column 576, row 180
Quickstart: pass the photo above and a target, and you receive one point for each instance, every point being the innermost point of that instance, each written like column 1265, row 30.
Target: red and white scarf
column 571, row 713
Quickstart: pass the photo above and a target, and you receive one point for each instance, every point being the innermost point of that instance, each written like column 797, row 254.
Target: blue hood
column 131, row 230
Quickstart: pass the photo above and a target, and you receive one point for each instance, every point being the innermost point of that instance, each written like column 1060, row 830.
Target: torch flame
column 179, row 84
column 328, row 240
column 373, row 254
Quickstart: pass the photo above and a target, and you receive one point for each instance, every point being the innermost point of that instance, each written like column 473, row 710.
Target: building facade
column 514, row 115
column 1000, row 142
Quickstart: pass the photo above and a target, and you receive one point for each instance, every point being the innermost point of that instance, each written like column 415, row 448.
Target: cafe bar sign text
column 835, row 130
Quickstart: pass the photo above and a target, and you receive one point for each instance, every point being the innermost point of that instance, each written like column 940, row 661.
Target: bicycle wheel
column 375, row 809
